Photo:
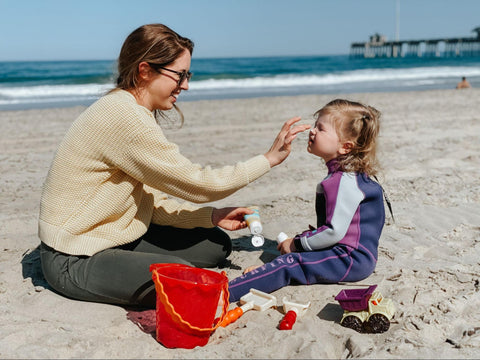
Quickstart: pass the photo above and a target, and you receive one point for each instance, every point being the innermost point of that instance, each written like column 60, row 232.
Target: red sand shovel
column 292, row 310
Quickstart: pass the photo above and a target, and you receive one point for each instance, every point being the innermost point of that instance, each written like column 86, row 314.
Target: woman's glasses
column 182, row 75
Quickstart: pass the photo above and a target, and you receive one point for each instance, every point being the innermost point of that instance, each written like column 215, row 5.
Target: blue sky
column 95, row 29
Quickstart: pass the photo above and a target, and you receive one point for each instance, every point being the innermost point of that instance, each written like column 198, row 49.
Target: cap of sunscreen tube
column 255, row 227
column 257, row 240
column 282, row 237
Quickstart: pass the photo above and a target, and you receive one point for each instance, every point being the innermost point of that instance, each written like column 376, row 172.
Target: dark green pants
column 121, row 275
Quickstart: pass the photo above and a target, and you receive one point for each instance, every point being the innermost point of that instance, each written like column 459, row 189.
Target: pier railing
column 445, row 47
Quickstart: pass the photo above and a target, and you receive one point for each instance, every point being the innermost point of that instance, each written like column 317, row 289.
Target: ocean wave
column 388, row 79
column 420, row 74
column 49, row 91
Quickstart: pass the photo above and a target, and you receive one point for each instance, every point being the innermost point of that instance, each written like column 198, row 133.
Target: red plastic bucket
column 187, row 302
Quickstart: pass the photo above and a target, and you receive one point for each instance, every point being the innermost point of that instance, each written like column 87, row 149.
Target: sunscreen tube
column 253, row 221
column 255, row 226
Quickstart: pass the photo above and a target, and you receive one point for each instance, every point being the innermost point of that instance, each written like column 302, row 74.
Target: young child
column 349, row 208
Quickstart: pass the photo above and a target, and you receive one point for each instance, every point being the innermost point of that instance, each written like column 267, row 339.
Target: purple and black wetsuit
column 350, row 218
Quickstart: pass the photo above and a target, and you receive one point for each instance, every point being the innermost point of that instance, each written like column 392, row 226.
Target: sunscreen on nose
column 255, row 226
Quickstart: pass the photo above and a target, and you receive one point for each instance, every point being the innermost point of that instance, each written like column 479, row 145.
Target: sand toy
column 365, row 310
column 255, row 299
column 292, row 311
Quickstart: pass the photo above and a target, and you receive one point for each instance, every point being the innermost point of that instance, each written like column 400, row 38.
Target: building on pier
column 378, row 46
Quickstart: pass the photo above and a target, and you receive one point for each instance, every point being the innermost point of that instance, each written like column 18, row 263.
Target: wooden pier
column 378, row 46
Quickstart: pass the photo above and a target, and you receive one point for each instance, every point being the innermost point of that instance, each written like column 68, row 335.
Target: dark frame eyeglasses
column 182, row 75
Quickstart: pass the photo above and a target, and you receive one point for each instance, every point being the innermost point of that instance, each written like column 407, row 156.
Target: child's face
column 323, row 140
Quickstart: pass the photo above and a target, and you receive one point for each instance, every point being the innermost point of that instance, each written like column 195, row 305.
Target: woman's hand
column 281, row 146
column 230, row 218
column 286, row 246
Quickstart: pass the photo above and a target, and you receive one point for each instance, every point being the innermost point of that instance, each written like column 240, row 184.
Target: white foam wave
column 52, row 91
column 357, row 76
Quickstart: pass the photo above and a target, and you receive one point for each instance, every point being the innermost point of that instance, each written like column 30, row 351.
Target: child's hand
column 250, row 268
column 230, row 218
column 287, row 246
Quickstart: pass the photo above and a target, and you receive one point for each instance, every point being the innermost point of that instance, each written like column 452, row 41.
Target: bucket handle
column 178, row 318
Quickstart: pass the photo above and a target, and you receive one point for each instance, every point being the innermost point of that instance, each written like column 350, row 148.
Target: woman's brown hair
column 152, row 43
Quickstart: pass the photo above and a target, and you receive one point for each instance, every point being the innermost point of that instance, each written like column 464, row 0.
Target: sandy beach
column 428, row 258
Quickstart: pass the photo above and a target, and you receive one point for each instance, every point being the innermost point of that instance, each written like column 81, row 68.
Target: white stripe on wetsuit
column 348, row 199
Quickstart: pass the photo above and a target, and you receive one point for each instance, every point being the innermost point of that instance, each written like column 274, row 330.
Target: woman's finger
column 288, row 124
column 299, row 128
column 292, row 134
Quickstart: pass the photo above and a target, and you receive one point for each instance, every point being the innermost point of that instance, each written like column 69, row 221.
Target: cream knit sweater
column 111, row 175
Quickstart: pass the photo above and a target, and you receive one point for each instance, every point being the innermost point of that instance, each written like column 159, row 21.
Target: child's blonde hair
column 359, row 124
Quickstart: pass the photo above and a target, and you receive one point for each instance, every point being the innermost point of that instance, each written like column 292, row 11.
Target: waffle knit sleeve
column 151, row 159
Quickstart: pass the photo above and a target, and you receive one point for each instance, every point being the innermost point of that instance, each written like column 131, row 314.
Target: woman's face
column 161, row 88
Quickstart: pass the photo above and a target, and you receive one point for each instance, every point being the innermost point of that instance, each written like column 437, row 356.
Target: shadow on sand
column 32, row 268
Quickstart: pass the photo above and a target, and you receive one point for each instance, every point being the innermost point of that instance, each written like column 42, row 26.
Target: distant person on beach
column 349, row 208
column 464, row 84
column 107, row 208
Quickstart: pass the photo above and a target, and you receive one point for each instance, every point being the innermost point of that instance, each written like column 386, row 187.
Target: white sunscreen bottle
column 282, row 237
column 255, row 226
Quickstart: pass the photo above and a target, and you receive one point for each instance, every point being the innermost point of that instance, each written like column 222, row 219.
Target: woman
column 105, row 214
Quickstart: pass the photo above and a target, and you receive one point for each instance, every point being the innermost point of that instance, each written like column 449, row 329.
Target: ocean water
column 40, row 84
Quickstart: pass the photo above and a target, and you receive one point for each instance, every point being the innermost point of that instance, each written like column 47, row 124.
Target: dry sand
column 428, row 259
